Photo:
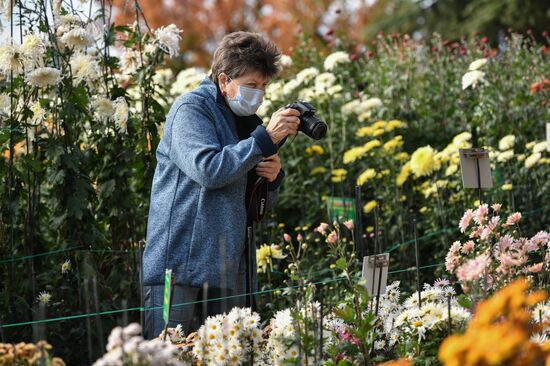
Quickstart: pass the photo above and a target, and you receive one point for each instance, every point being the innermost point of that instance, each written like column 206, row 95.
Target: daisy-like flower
column 44, row 297
column 44, row 77
column 66, row 266
column 84, row 68
column 513, row 219
column 77, row 38
column 332, row 237
column 168, row 39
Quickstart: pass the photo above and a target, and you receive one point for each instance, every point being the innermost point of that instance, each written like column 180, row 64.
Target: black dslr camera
column 309, row 123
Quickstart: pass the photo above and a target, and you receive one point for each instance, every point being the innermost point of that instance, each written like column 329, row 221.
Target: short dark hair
column 243, row 52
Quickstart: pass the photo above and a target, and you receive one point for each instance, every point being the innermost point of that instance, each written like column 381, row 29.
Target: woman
column 212, row 152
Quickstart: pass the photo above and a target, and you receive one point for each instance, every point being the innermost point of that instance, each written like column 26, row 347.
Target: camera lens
column 319, row 130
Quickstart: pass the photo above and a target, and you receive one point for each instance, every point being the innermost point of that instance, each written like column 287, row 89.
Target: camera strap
column 257, row 206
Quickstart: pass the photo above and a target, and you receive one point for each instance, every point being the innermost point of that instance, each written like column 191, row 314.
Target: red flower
column 485, row 40
column 540, row 85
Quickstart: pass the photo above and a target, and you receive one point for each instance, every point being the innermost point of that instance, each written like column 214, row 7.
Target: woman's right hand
column 283, row 122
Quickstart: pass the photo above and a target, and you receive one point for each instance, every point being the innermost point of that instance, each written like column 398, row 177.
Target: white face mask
column 247, row 102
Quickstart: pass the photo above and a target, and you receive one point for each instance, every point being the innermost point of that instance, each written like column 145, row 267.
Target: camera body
column 309, row 123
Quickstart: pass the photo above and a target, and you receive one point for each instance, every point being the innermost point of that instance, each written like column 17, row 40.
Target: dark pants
column 190, row 316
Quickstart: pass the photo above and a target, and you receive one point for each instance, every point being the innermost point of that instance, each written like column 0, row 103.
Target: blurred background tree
column 321, row 22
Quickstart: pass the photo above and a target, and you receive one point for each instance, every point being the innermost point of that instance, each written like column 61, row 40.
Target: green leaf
column 464, row 301
column 341, row 264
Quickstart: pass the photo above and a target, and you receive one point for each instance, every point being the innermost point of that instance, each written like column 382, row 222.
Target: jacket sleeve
column 197, row 151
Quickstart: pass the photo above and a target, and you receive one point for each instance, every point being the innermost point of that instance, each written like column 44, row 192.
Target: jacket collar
column 214, row 91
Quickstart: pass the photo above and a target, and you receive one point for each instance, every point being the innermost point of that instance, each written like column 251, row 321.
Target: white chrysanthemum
column 38, row 113
column 540, row 147
column 371, row 103
column 43, row 77
column 507, row 142
column 472, row 78
column 505, row 156
column 477, row 64
column 66, row 266
column 332, row 60
column 84, row 68
column 44, row 297
column 324, row 81
column 11, row 59
column 462, row 137
column 307, row 94
column 121, row 114
column 187, row 80
column 335, row 91
column 264, row 108
column 67, row 20
column 163, row 77
column 290, row 86
column 168, row 38
column 103, row 108
column 4, row 103
column 274, row 90
column 351, row 107
column 532, row 160
column 33, row 48
column 307, row 74
column 77, row 38
column 285, row 61
column 130, row 61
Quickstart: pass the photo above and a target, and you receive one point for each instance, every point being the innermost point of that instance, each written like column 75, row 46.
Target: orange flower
column 500, row 332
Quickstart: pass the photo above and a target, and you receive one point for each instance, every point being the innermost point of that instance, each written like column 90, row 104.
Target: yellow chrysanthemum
column 353, row 154
column 338, row 175
column 507, row 142
column 451, row 169
column 379, row 124
column 403, row 175
column 366, row 176
column 315, row 150
column 422, row 161
column 532, row 160
column 369, row 206
column 378, row 132
column 393, row 144
column 507, row 187
column 393, row 124
column 318, row 170
column 265, row 254
column 402, row 156
column 371, row 145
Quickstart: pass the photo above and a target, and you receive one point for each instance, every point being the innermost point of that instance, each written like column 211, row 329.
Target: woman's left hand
column 269, row 168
